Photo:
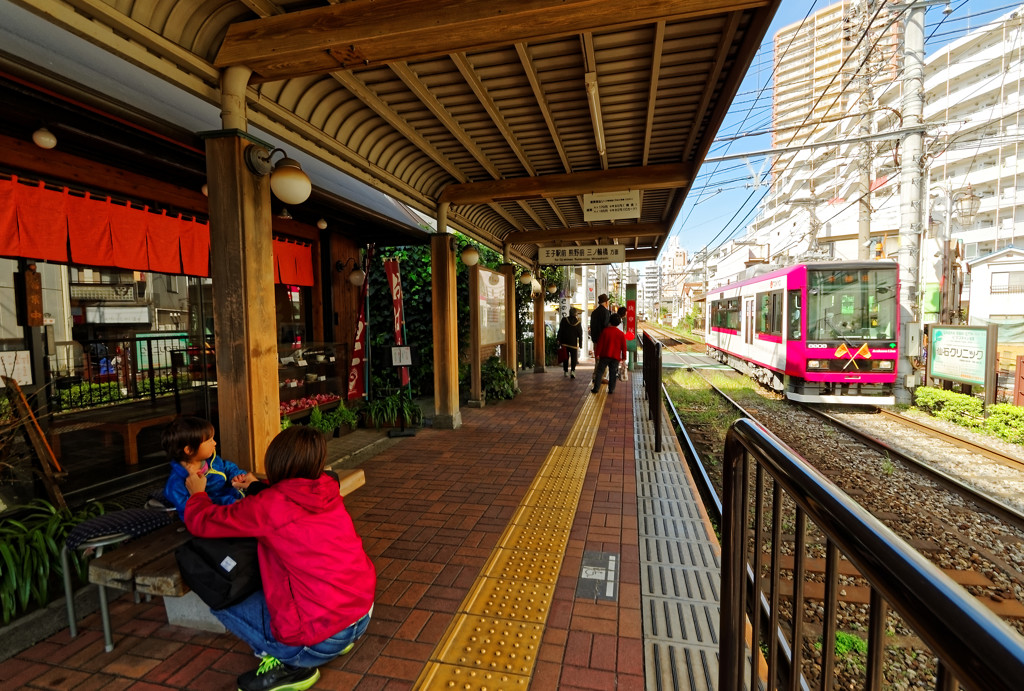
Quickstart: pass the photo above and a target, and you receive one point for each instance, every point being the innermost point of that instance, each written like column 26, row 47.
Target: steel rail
column 955, row 440
column 983, row 501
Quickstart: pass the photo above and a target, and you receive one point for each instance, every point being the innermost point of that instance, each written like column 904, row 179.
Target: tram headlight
column 885, row 364
column 814, row 364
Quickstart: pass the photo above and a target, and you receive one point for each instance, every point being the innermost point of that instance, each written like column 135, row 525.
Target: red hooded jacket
column 611, row 344
column 316, row 577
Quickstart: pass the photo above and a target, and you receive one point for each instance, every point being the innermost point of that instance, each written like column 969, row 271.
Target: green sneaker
column 274, row 675
column 348, row 648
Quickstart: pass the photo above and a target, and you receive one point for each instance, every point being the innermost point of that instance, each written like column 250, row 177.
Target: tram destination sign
column 590, row 254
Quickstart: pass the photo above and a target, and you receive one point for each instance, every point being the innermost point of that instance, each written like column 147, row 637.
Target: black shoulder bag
column 222, row 571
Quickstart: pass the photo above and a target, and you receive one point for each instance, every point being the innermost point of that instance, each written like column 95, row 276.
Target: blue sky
column 723, row 199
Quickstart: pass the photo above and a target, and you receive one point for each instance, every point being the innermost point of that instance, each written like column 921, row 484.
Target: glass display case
column 310, row 374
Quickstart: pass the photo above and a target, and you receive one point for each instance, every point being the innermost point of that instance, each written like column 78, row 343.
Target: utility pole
column 911, row 196
column 865, row 77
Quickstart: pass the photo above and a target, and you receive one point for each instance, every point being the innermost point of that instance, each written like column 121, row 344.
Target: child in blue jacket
column 192, row 449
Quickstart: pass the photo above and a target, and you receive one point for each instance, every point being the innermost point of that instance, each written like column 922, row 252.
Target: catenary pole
column 911, row 194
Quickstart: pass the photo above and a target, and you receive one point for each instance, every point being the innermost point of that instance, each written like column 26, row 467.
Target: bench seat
column 147, row 564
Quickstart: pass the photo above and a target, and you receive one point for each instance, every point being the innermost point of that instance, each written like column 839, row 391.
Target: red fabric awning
column 162, row 233
column 194, row 243
column 37, row 223
column 89, row 231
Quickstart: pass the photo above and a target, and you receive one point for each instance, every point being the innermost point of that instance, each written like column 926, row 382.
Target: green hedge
column 949, row 405
column 1004, row 420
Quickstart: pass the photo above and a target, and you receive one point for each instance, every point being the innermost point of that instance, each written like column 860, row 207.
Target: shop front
column 107, row 298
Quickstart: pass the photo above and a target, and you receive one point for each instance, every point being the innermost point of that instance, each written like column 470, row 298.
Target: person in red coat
column 318, row 582
column 610, row 349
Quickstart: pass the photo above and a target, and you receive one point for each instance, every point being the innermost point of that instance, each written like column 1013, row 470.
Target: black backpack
column 222, row 571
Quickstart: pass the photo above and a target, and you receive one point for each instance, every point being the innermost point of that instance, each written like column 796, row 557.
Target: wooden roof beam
column 664, row 175
column 648, row 254
column 545, row 237
column 366, row 32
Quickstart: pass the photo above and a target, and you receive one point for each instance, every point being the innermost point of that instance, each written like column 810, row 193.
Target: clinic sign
column 592, row 254
column 965, row 354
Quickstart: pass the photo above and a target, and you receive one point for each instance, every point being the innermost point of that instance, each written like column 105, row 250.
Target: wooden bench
column 127, row 429
column 146, row 565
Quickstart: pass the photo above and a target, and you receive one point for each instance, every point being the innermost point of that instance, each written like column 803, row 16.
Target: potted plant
column 341, row 418
column 389, row 410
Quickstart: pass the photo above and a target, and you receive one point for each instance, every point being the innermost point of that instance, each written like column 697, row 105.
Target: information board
column 959, row 353
column 16, row 364
column 491, row 287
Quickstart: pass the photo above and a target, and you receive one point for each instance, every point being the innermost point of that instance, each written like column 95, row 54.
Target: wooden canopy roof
column 510, row 110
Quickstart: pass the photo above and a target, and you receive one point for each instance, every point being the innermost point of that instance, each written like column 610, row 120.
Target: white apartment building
column 973, row 101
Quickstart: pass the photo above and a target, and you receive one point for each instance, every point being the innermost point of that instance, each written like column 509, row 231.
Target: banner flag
column 842, row 350
column 394, row 277
column 864, row 351
column 357, row 370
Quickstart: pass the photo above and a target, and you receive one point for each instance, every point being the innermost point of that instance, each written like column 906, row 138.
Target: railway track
column 954, row 439
column 976, row 539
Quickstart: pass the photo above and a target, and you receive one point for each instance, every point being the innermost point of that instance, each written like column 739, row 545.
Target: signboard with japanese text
column 958, row 355
column 112, row 314
column 592, row 254
column 17, row 365
column 492, row 307
column 631, row 339
column 611, row 206
column 962, row 354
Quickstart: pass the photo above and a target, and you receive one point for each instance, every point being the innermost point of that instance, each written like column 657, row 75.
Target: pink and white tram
column 821, row 333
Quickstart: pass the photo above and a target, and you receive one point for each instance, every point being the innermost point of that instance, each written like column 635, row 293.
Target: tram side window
column 725, row 314
column 794, row 314
column 769, row 313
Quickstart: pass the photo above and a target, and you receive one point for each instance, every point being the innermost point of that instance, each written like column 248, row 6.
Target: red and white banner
column 357, row 370
column 630, row 320
column 394, row 277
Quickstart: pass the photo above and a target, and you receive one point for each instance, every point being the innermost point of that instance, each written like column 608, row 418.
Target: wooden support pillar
column 510, row 354
column 538, row 332
column 446, row 336
column 242, row 268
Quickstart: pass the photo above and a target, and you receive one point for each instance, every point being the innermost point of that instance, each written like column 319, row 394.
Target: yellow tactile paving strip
column 492, row 642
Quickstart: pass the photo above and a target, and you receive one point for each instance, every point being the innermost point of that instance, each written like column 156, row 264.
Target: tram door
column 748, row 319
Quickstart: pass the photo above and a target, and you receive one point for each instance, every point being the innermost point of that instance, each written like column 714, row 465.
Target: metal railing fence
column 109, row 371
column 970, row 645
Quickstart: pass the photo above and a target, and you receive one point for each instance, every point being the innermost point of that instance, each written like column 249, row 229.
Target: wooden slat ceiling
column 482, row 103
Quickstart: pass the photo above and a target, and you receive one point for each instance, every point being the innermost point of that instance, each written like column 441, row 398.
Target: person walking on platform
column 599, row 318
column 570, row 337
column 609, row 351
column 598, row 321
column 624, row 369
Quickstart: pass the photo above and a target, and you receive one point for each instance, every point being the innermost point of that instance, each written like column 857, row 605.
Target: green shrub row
column 1004, row 420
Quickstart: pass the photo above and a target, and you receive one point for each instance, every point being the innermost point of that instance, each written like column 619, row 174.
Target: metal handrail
column 973, row 646
column 652, row 384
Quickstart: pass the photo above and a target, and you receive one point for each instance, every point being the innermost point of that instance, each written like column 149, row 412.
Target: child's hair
column 622, row 312
column 297, row 452
column 185, row 431
column 615, row 320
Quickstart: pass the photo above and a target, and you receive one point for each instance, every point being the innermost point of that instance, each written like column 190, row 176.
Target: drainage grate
column 680, row 568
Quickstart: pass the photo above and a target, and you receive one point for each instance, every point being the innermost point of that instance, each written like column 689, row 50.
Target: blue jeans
column 250, row 621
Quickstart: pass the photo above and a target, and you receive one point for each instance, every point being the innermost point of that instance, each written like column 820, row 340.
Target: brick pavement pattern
column 431, row 512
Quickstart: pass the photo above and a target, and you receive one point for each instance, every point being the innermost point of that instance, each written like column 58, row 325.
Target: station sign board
column 590, row 254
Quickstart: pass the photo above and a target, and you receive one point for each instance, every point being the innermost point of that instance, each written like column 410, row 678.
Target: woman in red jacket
column 318, row 583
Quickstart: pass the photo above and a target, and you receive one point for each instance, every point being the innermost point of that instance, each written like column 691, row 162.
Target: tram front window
column 851, row 304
